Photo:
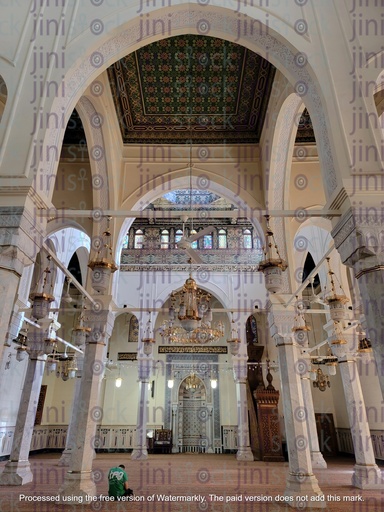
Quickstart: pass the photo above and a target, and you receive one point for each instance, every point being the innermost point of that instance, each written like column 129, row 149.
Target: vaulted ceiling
column 191, row 87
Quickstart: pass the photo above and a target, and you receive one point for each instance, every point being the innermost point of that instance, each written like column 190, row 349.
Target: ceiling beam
column 300, row 213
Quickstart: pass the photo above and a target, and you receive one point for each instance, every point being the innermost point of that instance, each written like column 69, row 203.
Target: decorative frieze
column 171, row 349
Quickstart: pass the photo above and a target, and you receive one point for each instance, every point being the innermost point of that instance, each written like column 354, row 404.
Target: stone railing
column 345, row 442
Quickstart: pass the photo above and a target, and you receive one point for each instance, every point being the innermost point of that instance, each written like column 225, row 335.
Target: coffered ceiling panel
column 191, row 86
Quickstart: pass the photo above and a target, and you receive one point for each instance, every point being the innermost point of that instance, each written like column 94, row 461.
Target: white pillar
column 300, row 481
column 211, row 428
column 65, row 458
column 304, row 366
column 316, row 455
column 78, row 480
column 175, row 430
column 140, row 451
column 240, row 370
column 17, row 470
column 366, row 473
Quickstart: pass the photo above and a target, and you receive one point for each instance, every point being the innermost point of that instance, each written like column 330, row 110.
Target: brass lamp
column 103, row 265
column 336, row 301
column 41, row 300
column 272, row 265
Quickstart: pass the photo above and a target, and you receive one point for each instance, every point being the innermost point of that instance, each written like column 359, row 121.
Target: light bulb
column 213, row 383
column 118, row 382
column 170, row 383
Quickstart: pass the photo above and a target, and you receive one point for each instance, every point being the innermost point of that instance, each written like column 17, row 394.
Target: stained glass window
column 208, row 242
column 139, row 239
column 125, row 242
column 193, row 244
column 178, row 235
column 222, row 239
column 247, row 239
column 164, row 239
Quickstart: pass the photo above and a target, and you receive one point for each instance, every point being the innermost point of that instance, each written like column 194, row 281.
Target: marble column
column 140, row 451
column 21, row 236
column 17, row 470
column 175, row 430
column 211, row 429
column 304, row 366
column 300, row 481
column 65, row 459
column 78, row 481
column 240, row 372
column 366, row 474
column 316, row 455
column 358, row 238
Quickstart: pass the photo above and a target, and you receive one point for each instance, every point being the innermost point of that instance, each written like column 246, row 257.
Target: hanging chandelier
column 194, row 316
column 336, row 298
column 320, row 381
column 272, row 265
column 42, row 297
column 192, row 382
column 103, row 265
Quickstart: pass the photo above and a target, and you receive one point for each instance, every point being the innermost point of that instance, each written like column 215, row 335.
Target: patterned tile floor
column 214, row 482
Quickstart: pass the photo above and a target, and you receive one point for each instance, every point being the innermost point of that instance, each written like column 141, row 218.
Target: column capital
column 281, row 321
column 358, row 238
column 22, row 232
column 101, row 322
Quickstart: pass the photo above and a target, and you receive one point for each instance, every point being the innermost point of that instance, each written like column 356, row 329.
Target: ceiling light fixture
column 272, row 265
column 103, row 265
column 194, row 315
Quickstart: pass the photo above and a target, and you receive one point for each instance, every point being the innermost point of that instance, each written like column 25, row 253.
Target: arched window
column 193, row 244
column 125, row 242
column 139, row 239
column 222, row 239
column 164, row 239
column 207, row 242
column 178, row 235
column 247, row 239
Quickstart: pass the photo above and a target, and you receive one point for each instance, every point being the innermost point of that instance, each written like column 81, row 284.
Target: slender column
column 17, row 470
column 78, row 480
column 65, row 458
column 300, row 481
column 240, row 371
column 140, row 451
column 366, row 473
column 316, row 455
column 175, row 430
column 304, row 366
column 211, row 429
column 358, row 238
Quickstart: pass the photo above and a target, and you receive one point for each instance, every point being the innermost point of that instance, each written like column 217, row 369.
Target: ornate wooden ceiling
column 191, row 86
column 184, row 87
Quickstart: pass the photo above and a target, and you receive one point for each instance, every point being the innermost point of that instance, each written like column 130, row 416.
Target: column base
column 367, row 477
column 318, row 460
column 65, row 458
column 139, row 454
column 79, row 484
column 245, row 454
column 16, row 472
column 305, row 491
